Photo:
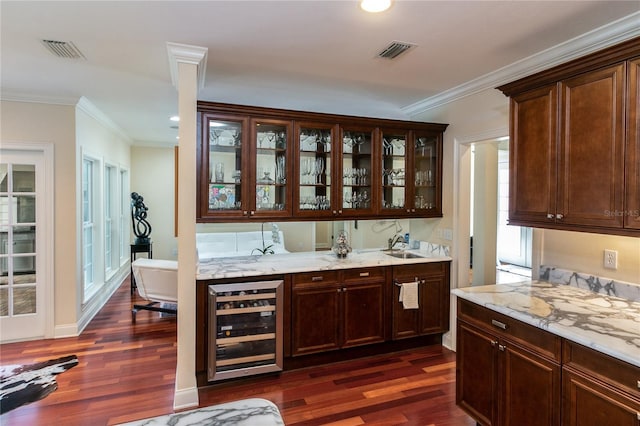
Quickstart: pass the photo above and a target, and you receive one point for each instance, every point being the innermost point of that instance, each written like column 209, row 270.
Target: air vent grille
column 395, row 49
column 63, row 49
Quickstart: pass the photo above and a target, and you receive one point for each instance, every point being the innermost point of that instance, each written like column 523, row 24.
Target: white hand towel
column 409, row 295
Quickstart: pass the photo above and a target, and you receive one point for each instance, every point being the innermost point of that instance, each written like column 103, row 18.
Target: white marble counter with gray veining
column 245, row 412
column 608, row 324
column 286, row 263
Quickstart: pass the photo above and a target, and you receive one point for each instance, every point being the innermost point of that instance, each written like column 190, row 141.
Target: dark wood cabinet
column 590, row 403
column 598, row 389
column 591, row 156
column 632, row 153
column 501, row 364
column 432, row 316
column 334, row 310
column 271, row 164
column 574, row 144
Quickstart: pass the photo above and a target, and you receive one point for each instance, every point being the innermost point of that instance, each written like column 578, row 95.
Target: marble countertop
column 608, row 324
column 286, row 263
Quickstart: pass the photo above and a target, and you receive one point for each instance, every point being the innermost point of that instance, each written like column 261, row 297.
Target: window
column 88, row 224
column 111, row 222
column 125, row 204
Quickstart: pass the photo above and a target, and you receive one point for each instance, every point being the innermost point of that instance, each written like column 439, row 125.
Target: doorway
column 499, row 252
column 25, row 262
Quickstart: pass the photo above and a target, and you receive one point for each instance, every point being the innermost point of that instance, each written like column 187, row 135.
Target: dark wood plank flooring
column 127, row 372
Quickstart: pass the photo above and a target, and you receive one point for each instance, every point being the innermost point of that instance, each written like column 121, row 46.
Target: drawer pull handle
column 494, row 343
column 317, row 278
column 364, row 274
column 502, row 347
column 638, row 384
column 499, row 324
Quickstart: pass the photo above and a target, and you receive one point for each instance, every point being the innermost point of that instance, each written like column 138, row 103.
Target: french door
column 23, row 210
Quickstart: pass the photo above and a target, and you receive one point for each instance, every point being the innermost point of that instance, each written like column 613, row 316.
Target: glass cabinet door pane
column 356, row 170
column 394, row 168
column 425, row 173
column 225, row 161
column 315, row 168
column 271, row 167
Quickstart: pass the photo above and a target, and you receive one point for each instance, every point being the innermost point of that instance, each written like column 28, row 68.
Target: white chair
column 157, row 282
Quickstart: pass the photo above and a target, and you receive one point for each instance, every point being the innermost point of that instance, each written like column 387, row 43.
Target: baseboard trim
column 65, row 330
column 185, row 398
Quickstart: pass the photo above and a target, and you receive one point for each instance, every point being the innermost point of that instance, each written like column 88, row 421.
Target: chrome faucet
column 395, row 240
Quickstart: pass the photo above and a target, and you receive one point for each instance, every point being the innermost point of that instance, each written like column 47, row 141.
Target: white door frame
column 47, row 227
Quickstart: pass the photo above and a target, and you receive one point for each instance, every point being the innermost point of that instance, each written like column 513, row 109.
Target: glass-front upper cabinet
column 269, row 171
column 223, row 154
column 359, row 193
column 396, row 173
column 427, row 174
column 316, row 173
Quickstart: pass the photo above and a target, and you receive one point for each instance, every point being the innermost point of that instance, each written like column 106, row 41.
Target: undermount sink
column 401, row 254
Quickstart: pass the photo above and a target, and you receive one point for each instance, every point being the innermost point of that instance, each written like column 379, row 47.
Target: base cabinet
column 588, row 402
column 511, row 373
column 334, row 310
column 432, row 315
column 503, row 378
column 497, row 380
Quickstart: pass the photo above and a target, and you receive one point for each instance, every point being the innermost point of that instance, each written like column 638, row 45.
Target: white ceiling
column 306, row 55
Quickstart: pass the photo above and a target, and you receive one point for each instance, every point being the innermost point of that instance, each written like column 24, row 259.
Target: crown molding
column 590, row 42
column 16, row 96
column 91, row 110
column 190, row 55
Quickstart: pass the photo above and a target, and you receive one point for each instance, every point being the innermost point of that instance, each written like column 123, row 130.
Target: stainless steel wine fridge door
column 245, row 326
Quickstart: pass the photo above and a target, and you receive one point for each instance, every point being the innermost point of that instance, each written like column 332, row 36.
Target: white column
column 186, row 63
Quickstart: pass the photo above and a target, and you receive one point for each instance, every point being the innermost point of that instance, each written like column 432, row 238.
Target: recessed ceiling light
column 375, row 6
column 174, row 118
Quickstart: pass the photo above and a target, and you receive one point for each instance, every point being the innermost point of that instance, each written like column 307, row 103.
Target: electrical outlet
column 448, row 234
column 611, row 259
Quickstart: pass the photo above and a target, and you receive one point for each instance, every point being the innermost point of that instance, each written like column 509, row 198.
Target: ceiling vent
column 63, row 49
column 395, row 49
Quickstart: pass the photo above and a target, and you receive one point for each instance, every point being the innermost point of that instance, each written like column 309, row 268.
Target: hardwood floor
column 127, row 372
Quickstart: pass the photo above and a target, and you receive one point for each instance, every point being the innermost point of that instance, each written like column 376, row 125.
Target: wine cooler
column 245, row 326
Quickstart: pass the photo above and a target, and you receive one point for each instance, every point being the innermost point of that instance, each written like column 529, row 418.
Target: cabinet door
column 222, row 160
column 427, row 174
column 476, row 373
column 363, row 314
column 315, row 317
column 632, row 166
column 316, row 172
column 591, row 160
column 525, row 376
column 395, row 172
column 406, row 322
column 269, row 170
column 434, row 302
column 588, row 403
column 532, row 156
column 358, row 196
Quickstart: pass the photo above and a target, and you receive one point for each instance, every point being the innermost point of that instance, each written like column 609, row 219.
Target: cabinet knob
column 413, row 210
column 344, row 289
column 245, row 213
column 549, row 215
column 252, row 212
column 335, row 212
column 408, row 210
column 339, row 211
column 494, row 343
column 502, row 347
column 559, row 216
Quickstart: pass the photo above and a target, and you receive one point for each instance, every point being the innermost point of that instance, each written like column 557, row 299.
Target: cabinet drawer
column 607, row 368
column 364, row 275
column 315, row 278
column 420, row 269
column 528, row 336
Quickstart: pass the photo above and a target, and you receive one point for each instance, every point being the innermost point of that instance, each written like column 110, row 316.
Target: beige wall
column 153, row 177
column 35, row 122
column 583, row 252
